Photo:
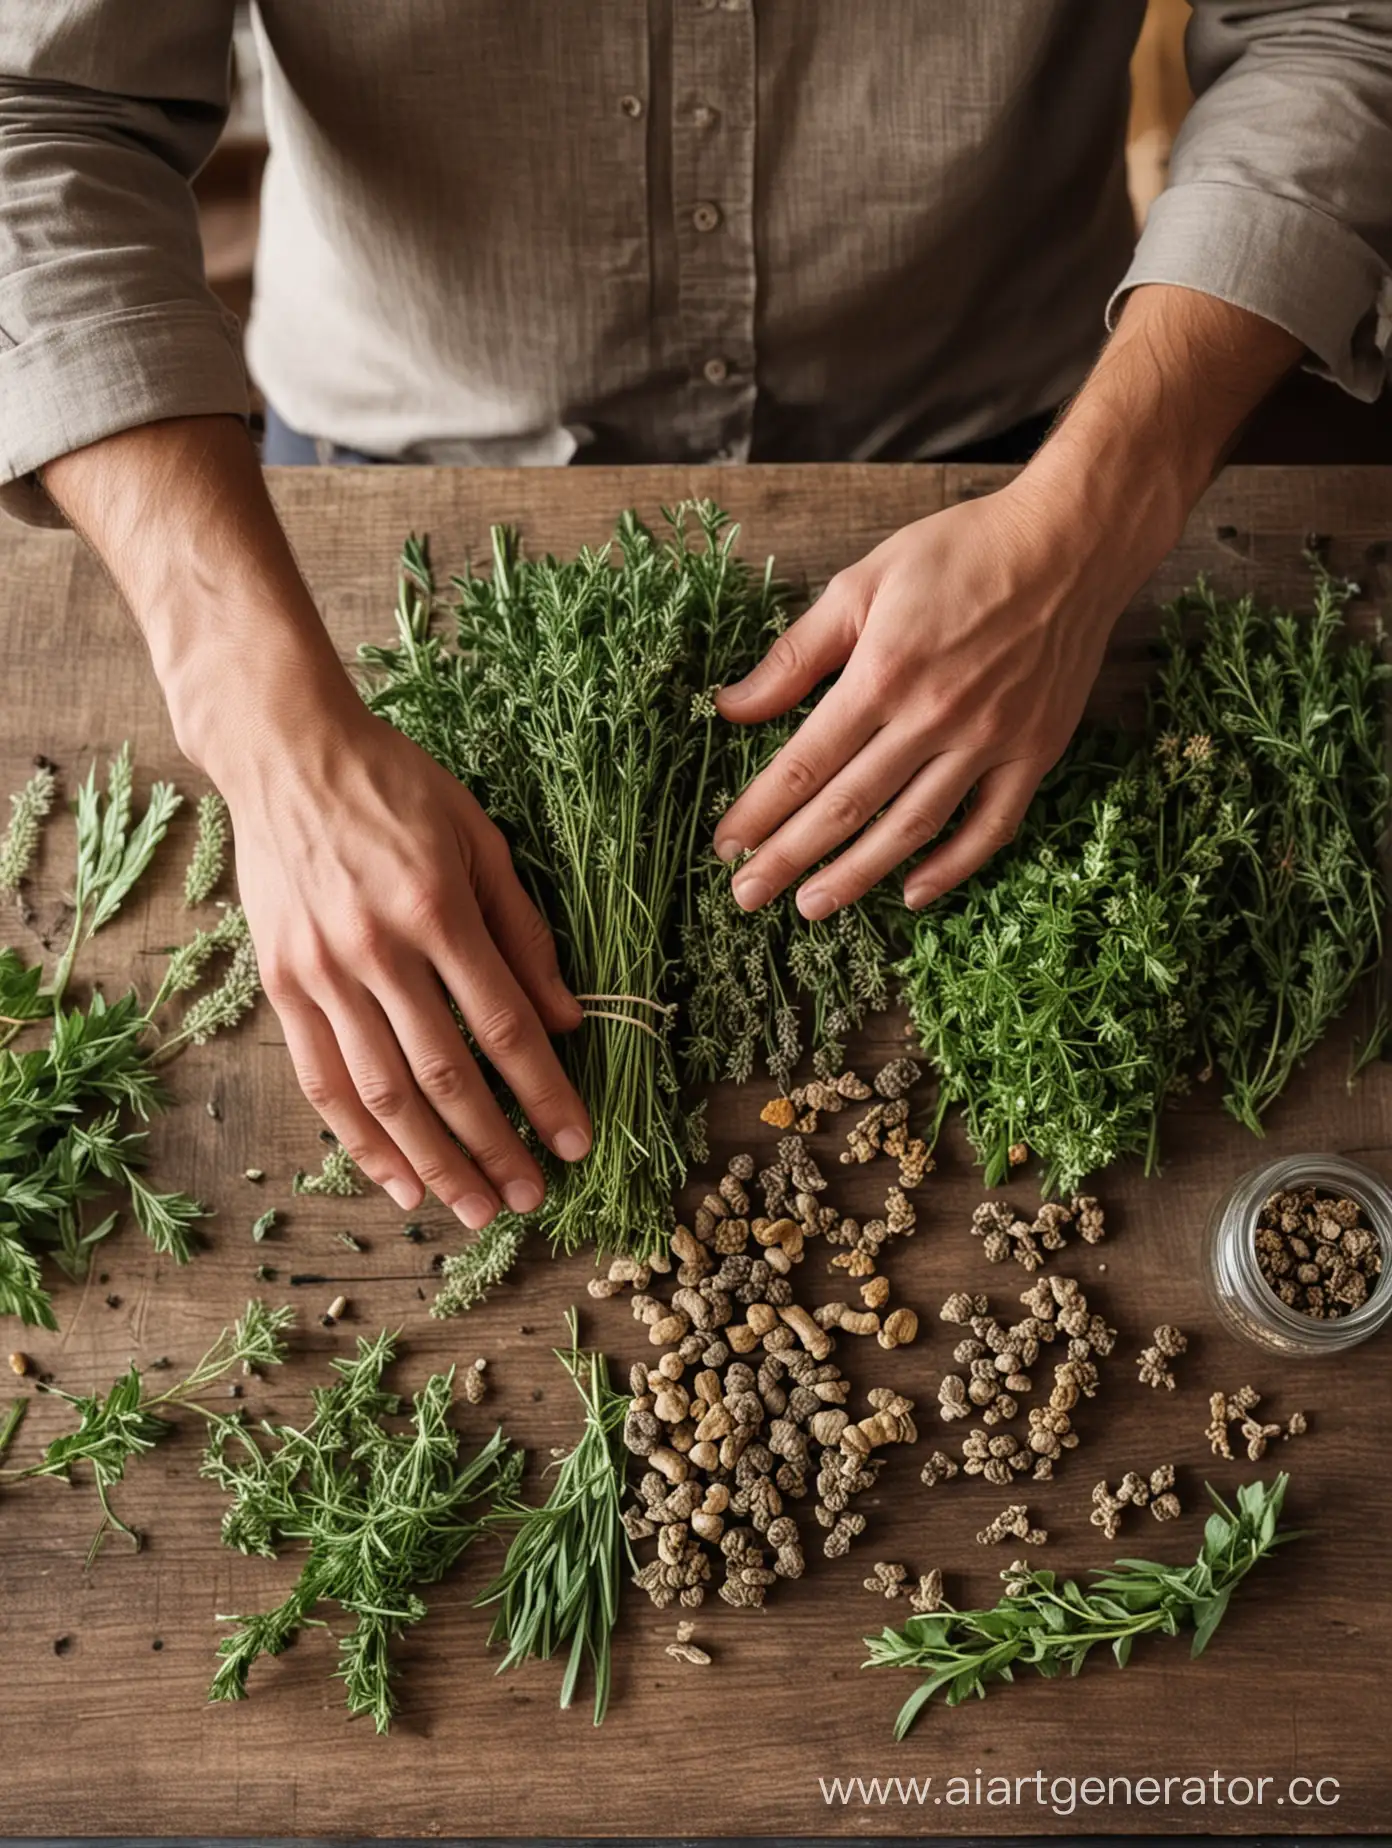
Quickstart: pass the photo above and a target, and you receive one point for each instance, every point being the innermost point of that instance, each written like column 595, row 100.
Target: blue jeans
column 283, row 446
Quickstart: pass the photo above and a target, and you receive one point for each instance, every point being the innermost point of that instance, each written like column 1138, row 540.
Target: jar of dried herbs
column 1299, row 1255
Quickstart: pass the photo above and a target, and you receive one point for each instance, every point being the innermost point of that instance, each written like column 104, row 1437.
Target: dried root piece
column 688, row 1652
column 1005, row 1234
column 1153, row 1361
column 939, row 1468
column 929, row 1595
column 1012, row 1523
column 886, row 1579
column 1225, row 1410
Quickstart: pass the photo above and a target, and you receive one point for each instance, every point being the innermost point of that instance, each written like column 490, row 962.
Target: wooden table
column 103, row 1719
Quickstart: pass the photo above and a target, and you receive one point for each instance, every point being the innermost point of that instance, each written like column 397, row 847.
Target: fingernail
column 571, row 1144
column 815, row 905
column 751, row 893
column 475, row 1210
column 402, row 1192
column 736, row 693
column 522, row 1196
column 728, row 850
column 920, row 900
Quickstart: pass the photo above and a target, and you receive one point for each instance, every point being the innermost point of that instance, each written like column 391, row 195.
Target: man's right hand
column 376, row 888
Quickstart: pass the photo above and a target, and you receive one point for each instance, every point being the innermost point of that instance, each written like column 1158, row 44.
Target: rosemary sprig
column 559, row 1586
column 1052, row 1625
column 127, row 1420
column 379, row 1511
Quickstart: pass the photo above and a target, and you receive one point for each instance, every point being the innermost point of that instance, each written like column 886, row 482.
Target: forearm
column 1151, row 425
column 178, row 513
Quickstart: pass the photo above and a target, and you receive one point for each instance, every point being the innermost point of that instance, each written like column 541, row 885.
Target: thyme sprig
column 1052, row 1625
column 380, row 1511
column 129, row 1419
column 560, row 1583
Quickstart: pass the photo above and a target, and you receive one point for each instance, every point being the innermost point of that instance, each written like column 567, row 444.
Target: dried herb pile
column 66, row 1106
column 1199, row 901
column 1052, row 1625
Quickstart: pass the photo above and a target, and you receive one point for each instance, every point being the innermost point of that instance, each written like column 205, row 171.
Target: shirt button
column 703, row 115
column 716, row 371
column 706, row 216
column 631, row 106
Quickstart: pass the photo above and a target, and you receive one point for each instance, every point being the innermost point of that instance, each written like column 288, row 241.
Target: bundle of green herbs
column 381, row 1512
column 1052, row 1625
column 1200, row 900
column 575, row 700
column 559, row 1586
column 65, row 1105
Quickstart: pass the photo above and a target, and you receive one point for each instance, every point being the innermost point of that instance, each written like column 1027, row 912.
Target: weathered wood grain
column 110, row 1733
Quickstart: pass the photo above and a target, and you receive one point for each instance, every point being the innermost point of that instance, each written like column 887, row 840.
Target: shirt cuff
column 75, row 384
column 1289, row 262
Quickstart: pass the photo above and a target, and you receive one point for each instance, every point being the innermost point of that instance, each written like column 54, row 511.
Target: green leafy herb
column 1052, row 1625
column 64, row 1106
column 28, row 807
column 128, row 1419
column 338, row 1176
column 209, row 857
column 264, row 1224
column 559, row 1586
column 379, row 1511
column 1202, row 899
column 113, row 850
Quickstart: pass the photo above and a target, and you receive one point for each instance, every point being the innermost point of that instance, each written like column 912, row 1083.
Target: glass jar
column 1244, row 1299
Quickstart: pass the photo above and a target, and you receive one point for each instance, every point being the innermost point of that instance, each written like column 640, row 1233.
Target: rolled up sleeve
column 1280, row 193
column 107, row 110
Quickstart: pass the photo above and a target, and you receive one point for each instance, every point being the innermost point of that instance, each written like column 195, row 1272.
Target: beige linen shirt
column 663, row 230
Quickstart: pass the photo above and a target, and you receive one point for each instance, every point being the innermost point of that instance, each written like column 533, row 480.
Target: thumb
column 816, row 645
